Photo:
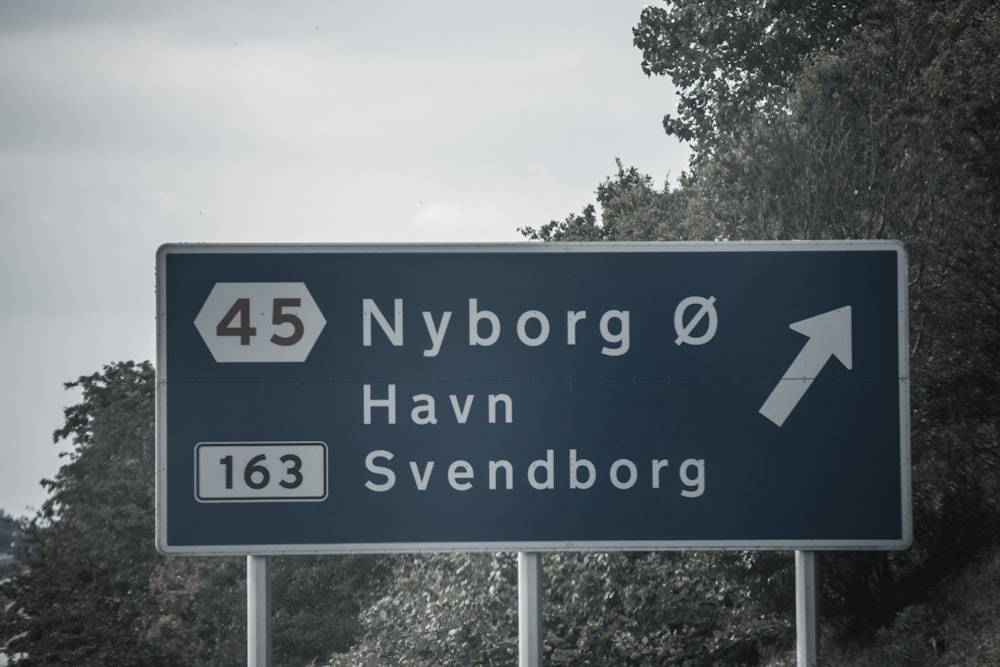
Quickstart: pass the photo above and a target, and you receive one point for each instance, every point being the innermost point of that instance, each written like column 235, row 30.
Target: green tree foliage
column 96, row 592
column 600, row 608
column 9, row 530
column 664, row 608
column 200, row 607
column 732, row 60
column 90, row 547
column 317, row 600
column 632, row 209
column 441, row 610
column 199, row 610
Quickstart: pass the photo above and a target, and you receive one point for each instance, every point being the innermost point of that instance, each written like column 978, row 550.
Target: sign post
column 530, row 625
column 259, row 611
column 806, row 609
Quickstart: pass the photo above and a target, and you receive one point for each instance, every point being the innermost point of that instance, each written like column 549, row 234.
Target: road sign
column 531, row 397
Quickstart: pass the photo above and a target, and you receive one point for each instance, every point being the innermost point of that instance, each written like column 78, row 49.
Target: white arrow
column 829, row 336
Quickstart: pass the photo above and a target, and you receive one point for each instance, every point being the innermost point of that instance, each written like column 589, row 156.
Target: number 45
column 236, row 321
column 260, row 322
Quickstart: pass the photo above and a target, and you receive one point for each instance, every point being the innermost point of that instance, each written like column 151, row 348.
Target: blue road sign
column 329, row 399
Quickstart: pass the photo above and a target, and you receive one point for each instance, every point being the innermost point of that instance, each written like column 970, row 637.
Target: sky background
column 126, row 125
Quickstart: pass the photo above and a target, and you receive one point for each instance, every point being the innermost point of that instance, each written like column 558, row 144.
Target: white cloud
column 437, row 216
column 437, row 221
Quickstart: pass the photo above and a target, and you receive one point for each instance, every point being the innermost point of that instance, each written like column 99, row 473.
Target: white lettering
column 421, row 480
column 500, row 407
column 394, row 333
column 616, row 477
column 475, row 317
column 509, row 476
column 390, row 476
column 460, row 470
column 696, row 484
column 621, row 338
column 574, row 465
column 546, row 465
column 543, row 328
column 508, row 404
column 533, row 327
column 436, row 333
column 388, row 403
column 423, row 413
column 623, row 474
column 572, row 317
column 658, row 465
column 461, row 415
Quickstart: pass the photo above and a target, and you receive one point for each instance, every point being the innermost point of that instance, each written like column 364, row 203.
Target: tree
column 600, row 608
column 90, row 550
column 9, row 531
column 200, row 607
column 96, row 592
column 440, row 610
column 9, row 548
column 317, row 602
column 731, row 60
column 632, row 209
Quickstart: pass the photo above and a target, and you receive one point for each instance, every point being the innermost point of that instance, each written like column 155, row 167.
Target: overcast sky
column 125, row 125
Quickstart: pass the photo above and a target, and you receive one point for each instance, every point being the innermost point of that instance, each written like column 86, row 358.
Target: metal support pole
column 529, row 609
column 806, row 614
column 258, row 611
